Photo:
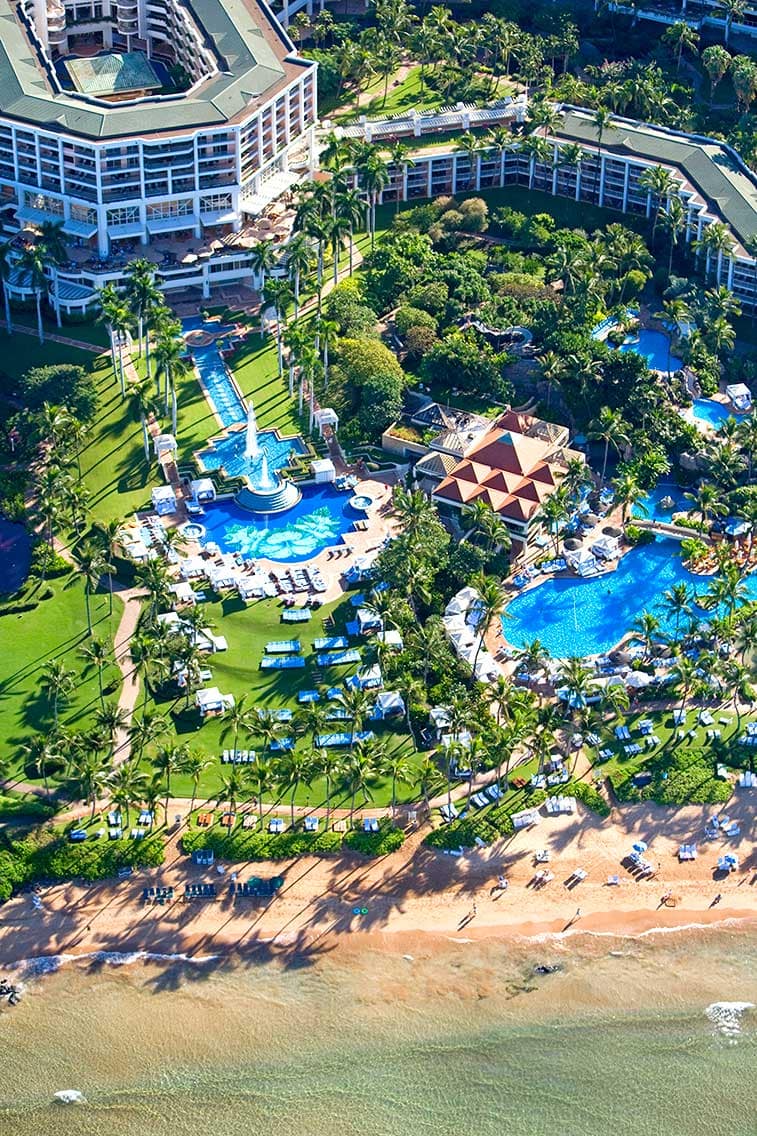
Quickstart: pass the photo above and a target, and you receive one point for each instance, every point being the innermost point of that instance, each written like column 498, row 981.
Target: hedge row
column 688, row 778
column 49, row 855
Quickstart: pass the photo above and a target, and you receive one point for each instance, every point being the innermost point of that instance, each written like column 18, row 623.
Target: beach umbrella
column 639, row 679
column 590, row 520
column 640, row 846
column 571, row 544
column 612, row 530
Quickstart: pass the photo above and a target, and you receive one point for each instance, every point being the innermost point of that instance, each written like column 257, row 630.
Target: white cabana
column 367, row 620
column 193, row 566
column 439, row 720
column 606, row 548
column 740, row 395
column 163, row 500
column 326, row 416
column 323, row 470
column 389, row 704
column 582, row 562
column 637, row 680
column 467, row 603
column 367, row 678
column 183, row 592
column 165, row 446
column 203, row 490
column 526, row 818
column 391, row 638
column 211, row 701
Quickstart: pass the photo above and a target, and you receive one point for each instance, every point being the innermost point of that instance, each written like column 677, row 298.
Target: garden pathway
column 80, row 344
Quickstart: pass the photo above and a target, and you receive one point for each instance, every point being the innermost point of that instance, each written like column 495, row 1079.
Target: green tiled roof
column 707, row 164
column 249, row 67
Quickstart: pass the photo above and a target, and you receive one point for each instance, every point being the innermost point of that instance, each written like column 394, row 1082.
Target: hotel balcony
column 56, row 24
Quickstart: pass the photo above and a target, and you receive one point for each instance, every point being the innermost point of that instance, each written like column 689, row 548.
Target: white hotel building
column 135, row 120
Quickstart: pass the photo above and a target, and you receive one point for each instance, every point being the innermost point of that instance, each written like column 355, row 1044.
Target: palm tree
column 6, row 265
column 43, row 754
column 360, row 769
column 145, row 731
column 169, row 759
column 88, row 771
column 195, row 765
column 491, row 606
column 33, row 262
column 374, row 177
column 169, row 361
column 328, row 334
column 400, row 769
column 349, row 207
column 602, row 119
column 143, row 403
column 238, row 717
column 92, row 566
column 706, row 500
column 681, row 37
column 232, row 788
column 357, row 703
column 294, row 768
column 553, row 514
column 143, row 296
column 673, row 222
column 109, row 719
column 127, row 785
column 263, row 259
column 54, row 253
column 58, row 683
column 262, row 778
column 610, row 428
column 647, row 626
column 677, row 603
column 627, row 492
column 734, row 10
column 299, row 260
column 716, row 241
column 98, row 656
column 279, row 294
column 661, row 185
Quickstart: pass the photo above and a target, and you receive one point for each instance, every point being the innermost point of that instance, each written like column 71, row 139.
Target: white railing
column 462, row 117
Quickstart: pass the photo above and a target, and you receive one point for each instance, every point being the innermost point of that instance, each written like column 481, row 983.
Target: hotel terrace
column 136, row 122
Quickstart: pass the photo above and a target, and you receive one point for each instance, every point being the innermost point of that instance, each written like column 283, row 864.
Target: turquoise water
column 445, row 1039
column 229, row 453
column 650, row 507
column 654, row 347
column 320, row 519
column 215, row 374
column 710, row 412
column 586, row 617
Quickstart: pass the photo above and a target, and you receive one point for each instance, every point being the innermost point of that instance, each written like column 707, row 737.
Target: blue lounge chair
column 283, row 647
column 281, row 662
column 331, row 643
column 307, row 696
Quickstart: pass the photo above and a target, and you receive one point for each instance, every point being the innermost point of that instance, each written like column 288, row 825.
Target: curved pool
column 654, row 347
column 710, row 413
column 589, row 617
column 321, row 518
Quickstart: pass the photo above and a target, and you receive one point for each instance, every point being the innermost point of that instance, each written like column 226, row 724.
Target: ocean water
column 633, row 1037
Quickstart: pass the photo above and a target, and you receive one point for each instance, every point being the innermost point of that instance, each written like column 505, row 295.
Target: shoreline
column 416, row 894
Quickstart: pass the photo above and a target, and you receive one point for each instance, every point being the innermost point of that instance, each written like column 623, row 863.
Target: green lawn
column 403, row 95
column 55, row 629
column 247, row 630
column 89, row 332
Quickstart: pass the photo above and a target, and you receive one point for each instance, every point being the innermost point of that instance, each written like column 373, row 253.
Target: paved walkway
column 51, row 337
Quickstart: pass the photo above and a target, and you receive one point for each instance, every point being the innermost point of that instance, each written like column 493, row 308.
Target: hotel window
column 215, row 203
column 169, row 209
column 129, row 215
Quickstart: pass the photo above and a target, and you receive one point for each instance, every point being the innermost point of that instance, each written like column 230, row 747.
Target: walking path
column 94, row 348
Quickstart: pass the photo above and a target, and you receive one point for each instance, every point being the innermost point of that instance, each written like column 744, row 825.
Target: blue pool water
column 709, row 412
column 652, row 509
column 320, row 519
column 215, row 374
column 229, row 453
column 587, row 617
column 653, row 346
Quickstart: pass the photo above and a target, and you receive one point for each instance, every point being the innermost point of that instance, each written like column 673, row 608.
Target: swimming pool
column 219, row 387
column 588, row 617
column 320, row 519
column 229, row 453
column 654, row 346
column 710, row 413
column 650, row 507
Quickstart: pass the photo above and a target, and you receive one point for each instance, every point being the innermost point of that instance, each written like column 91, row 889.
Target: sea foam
column 726, row 1017
column 41, row 965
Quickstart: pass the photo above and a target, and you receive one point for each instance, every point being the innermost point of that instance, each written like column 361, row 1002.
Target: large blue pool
column 588, row 617
column 320, row 519
column 710, row 413
column 653, row 346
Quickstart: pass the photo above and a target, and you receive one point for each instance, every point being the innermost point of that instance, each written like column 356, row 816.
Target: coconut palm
column 6, row 265
column 279, row 294
column 293, row 769
column 490, row 607
column 681, row 37
column 168, row 760
column 143, row 296
column 716, row 241
column 263, row 259
column 677, row 602
column 92, row 565
column 361, row 767
column 98, row 656
column 299, row 261
column 57, row 682
column 610, row 428
column 400, row 769
column 42, row 753
column 707, row 501
column 143, row 403
column 262, row 778
column 349, row 206
column 627, row 492
column 602, row 120
column 661, row 185
column 232, row 788
column 33, row 262
column 553, row 514
column 126, row 785
column 169, row 361
column 195, row 765
column 238, row 718
column 328, row 335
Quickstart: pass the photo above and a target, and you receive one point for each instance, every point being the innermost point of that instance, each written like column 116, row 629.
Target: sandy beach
column 415, row 893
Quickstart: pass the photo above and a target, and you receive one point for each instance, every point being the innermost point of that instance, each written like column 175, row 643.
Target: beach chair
column 494, row 792
column 613, row 881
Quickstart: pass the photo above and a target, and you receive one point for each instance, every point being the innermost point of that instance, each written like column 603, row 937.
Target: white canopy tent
column 163, row 500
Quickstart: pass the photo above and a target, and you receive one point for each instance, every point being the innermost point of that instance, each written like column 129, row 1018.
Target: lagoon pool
column 709, row 413
column 650, row 507
column 321, row 518
column 588, row 617
column 654, row 346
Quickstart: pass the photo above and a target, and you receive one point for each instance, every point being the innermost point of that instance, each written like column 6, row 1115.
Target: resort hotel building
column 713, row 181
column 133, row 122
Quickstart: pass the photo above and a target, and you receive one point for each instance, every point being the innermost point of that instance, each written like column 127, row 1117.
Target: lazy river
column 571, row 616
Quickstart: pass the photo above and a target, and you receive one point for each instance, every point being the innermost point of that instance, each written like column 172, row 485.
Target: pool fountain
column 256, row 456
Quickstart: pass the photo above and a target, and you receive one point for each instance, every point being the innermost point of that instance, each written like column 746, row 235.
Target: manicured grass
column 238, row 672
column 403, row 95
column 55, row 629
column 20, row 352
column 89, row 332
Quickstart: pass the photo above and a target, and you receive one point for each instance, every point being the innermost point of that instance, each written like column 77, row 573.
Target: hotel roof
column 712, row 167
column 255, row 57
column 513, row 468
